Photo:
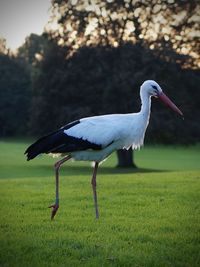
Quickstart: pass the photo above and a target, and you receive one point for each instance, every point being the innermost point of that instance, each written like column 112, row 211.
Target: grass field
column 150, row 217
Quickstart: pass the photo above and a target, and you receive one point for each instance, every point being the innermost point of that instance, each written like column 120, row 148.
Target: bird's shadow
column 35, row 171
column 108, row 170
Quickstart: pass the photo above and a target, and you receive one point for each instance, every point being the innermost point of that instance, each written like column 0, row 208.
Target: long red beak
column 169, row 103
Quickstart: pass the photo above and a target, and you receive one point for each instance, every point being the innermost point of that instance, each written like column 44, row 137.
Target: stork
column 95, row 138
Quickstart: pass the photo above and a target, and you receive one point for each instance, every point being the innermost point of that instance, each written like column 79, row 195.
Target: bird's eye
column 154, row 87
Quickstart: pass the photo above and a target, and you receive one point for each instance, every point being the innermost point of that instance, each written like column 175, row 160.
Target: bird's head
column 152, row 88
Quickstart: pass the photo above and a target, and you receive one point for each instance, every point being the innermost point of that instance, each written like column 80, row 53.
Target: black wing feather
column 59, row 142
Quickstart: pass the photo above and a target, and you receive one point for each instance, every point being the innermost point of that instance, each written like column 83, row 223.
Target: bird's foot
column 54, row 210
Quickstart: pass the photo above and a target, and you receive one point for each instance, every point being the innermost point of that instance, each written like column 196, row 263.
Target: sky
column 19, row 18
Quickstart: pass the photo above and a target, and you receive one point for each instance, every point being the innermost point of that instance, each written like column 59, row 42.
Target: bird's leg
column 57, row 167
column 93, row 182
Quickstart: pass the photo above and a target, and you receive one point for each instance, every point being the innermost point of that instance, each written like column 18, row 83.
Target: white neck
column 146, row 104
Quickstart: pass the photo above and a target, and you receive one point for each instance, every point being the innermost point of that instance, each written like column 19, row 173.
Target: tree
column 158, row 25
column 125, row 158
column 33, row 49
column 3, row 46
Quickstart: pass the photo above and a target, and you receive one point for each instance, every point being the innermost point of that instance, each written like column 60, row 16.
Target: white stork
column 95, row 138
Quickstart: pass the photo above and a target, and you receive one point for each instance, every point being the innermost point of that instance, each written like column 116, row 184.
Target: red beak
column 169, row 103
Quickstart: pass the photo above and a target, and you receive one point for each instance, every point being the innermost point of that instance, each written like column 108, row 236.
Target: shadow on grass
column 48, row 171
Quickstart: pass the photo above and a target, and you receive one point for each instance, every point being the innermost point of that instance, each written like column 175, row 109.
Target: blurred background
column 62, row 60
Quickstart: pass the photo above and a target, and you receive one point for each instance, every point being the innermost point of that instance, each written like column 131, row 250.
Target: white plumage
column 95, row 138
column 109, row 131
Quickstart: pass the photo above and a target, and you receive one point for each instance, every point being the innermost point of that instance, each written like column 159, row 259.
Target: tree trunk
column 125, row 158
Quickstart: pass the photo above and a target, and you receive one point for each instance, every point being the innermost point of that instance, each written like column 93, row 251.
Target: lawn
column 150, row 217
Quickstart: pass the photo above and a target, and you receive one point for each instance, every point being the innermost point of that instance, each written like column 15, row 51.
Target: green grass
column 150, row 217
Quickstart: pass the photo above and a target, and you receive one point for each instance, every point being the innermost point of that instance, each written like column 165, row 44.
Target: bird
column 95, row 138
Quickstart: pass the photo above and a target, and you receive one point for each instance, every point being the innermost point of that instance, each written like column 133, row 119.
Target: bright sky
column 19, row 18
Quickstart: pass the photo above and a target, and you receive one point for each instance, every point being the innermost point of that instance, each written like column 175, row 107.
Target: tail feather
column 50, row 142
column 45, row 144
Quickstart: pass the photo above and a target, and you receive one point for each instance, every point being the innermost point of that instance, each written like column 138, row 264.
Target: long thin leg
column 93, row 182
column 57, row 167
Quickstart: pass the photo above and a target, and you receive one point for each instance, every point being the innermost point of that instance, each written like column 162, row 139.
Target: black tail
column 54, row 142
column 43, row 145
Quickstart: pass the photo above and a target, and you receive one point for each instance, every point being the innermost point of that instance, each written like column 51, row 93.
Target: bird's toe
column 54, row 207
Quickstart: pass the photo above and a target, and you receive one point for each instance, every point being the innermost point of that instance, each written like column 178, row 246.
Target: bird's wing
column 99, row 130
